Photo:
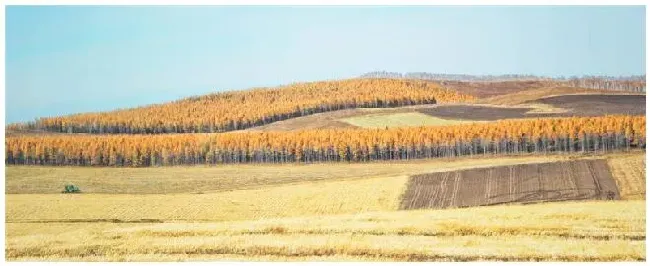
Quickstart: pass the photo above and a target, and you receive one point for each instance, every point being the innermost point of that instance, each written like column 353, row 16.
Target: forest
column 574, row 134
column 228, row 111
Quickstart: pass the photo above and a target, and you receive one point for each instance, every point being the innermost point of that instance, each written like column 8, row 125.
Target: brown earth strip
column 575, row 105
column 528, row 183
column 479, row 113
column 325, row 120
column 597, row 104
column 523, row 96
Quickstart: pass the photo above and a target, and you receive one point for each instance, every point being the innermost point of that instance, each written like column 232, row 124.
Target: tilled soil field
column 576, row 105
column 528, row 183
column 594, row 104
column 481, row 113
column 521, row 97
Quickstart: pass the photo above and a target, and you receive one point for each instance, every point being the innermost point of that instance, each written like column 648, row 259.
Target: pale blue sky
column 62, row 60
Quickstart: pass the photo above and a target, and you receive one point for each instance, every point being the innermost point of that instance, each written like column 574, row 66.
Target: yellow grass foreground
column 320, row 198
column 336, row 212
column 629, row 173
column 193, row 179
column 337, row 196
column 568, row 231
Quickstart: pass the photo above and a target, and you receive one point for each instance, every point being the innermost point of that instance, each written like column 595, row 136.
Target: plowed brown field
column 572, row 105
column 522, row 96
column 572, row 180
column 597, row 104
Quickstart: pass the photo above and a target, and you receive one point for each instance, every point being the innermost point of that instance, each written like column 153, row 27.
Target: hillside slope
column 527, row 101
column 486, row 89
column 235, row 110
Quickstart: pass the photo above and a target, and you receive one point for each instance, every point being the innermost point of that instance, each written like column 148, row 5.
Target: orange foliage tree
column 235, row 110
column 574, row 134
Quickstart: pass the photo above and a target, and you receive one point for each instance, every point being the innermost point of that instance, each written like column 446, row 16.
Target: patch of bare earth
column 527, row 183
column 330, row 120
column 326, row 120
column 523, row 96
column 480, row 112
column 597, row 104
column 553, row 106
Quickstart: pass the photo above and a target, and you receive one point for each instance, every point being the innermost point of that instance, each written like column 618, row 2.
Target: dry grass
column 349, row 195
column 629, row 173
column 412, row 119
column 38, row 180
column 335, row 197
column 590, row 219
column 569, row 231
column 347, row 215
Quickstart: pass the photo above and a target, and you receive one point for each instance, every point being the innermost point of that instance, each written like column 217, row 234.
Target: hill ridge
column 228, row 111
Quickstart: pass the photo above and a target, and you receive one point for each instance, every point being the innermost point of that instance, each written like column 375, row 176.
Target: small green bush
column 71, row 189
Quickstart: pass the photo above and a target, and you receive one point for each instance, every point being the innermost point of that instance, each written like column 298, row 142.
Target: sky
column 66, row 59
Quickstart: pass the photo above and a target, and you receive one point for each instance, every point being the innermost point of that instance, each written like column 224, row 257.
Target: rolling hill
column 337, row 171
column 237, row 110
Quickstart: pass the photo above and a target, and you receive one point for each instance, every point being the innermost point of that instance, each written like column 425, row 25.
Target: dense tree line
column 309, row 146
column 622, row 83
column 236, row 110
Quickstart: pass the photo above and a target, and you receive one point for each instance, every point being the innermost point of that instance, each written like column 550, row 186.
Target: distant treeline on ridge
column 622, row 83
column 235, row 110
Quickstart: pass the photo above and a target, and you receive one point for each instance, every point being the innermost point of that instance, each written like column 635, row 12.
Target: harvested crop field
column 629, row 173
column 479, row 112
column 597, row 104
column 572, row 180
column 572, row 105
column 203, row 179
column 412, row 119
column 559, row 231
column 538, row 93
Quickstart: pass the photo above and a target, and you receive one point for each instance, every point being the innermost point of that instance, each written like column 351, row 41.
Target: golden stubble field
column 347, row 215
column 629, row 173
column 572, row 231
column 204, row 179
